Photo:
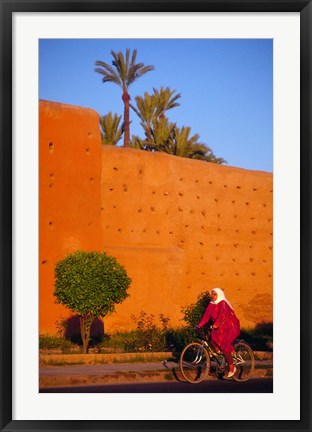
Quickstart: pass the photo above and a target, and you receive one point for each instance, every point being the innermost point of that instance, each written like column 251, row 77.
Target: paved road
column 256, row 385
column 111, row 368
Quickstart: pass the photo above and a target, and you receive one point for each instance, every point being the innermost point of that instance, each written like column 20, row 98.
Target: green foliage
column 123, row 72
column 259, row 338
column 149, row 337
column 163, row 135
column 111, row 130
column 193, row 313
column 90, row 283
column 47, row 342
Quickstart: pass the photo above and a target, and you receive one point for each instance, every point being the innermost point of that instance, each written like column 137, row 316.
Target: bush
column 195, row 311
column 259, row 338
column 47, row 342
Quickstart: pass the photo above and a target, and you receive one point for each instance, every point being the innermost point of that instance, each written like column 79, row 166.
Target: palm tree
column 166, row 100
column 123, row 72
column 151, row 108
column 111, row 131
column 146, row 110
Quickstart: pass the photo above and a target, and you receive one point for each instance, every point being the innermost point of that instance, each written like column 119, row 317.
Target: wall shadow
column 72, row 330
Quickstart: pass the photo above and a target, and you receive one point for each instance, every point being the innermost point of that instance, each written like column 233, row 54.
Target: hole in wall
column 181, row 194
column 44, row 261
column 88, row 151
column 51, row 223
column 152, row 209
column 89, row 134
column 115, row 168
column 51, row 147
column 203, row 213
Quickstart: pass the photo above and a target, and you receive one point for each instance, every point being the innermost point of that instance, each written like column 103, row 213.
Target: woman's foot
column 232, row 370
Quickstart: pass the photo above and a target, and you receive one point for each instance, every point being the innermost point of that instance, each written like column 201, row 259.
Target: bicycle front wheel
column 194, row 363
column 244, row 360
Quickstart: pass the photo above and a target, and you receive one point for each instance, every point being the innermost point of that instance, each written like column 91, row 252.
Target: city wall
column 179, row 226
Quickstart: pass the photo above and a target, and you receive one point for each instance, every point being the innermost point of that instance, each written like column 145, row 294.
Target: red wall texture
column 179, row 226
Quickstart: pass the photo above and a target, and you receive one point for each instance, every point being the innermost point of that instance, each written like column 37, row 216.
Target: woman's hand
column 214, row 326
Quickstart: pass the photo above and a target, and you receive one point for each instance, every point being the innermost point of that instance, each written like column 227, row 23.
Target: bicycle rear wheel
column 194, row 363
column 244, row 360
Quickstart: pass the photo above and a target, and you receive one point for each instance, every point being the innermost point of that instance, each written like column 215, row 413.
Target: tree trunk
column 126, row 99
column 85, row 327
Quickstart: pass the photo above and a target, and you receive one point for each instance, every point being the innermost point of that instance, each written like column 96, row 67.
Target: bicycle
column 200, row 358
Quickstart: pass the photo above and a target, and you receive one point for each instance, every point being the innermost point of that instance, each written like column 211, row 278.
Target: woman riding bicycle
column 225, row 325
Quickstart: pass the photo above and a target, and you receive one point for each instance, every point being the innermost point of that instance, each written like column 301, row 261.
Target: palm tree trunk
column 126, row 99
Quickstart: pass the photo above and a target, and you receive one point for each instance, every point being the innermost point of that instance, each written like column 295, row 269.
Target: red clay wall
column 178, row 226
column 69, row 206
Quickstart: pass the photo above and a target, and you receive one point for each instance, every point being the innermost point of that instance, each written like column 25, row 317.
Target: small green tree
column 193, row 313
column 90, row 284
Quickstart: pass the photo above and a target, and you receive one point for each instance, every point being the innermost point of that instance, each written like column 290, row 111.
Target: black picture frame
column 8, row 7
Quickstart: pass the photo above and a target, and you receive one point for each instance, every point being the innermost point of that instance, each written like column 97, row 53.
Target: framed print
column 239, row 74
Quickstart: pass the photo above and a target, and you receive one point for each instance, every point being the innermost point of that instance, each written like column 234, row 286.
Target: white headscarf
column 221, row 296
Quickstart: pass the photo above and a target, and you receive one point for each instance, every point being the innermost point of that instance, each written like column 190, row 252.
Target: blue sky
column 226, row 87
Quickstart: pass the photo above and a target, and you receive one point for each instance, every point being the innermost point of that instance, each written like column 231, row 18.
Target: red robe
column 228, row 325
